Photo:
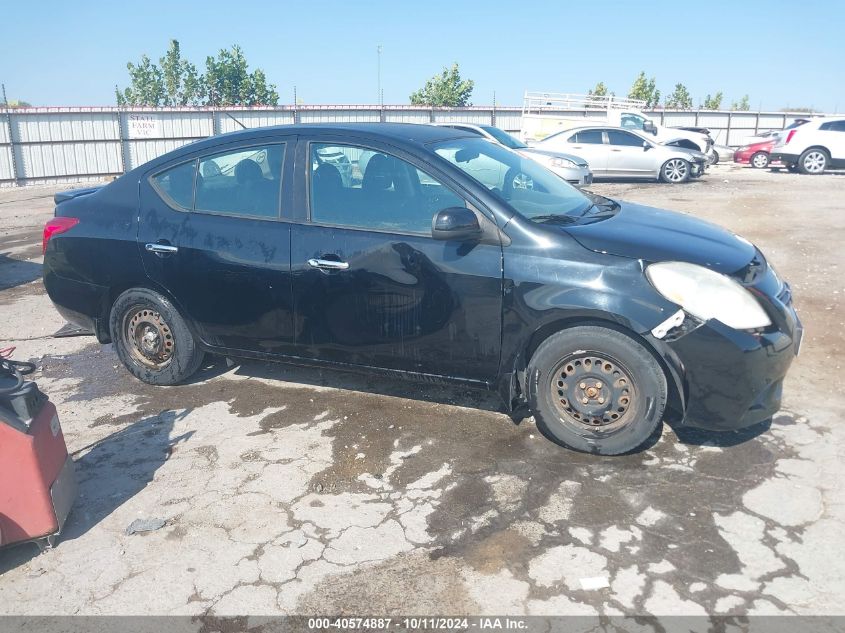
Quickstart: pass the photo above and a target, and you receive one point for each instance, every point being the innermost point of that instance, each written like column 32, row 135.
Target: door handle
column 327, row 264
column 162, row 249
column 616, row 150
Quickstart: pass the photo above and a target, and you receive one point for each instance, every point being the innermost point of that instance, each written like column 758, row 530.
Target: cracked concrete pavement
column 289, row 490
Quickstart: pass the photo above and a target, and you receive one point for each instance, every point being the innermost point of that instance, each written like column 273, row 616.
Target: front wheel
column 675, row 171
column 596, row 390
column 813, row 161
column 760, row 160
column 151, row 338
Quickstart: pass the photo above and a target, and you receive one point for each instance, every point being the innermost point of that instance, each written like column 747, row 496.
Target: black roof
column 403, row 133
column 407, row 132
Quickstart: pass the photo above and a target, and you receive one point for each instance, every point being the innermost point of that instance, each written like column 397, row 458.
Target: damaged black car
column 429, row 253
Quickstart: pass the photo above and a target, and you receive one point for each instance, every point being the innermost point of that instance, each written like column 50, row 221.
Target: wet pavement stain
column 610, row 500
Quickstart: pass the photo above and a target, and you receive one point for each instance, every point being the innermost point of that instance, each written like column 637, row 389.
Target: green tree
column 712, row 103
column 447, row 89
column 742, row 104
column 600, row 90
column 181, row 81
column 680, row 98
column 645, row 90
column 146, row 85
column 176, row 82
column 17, row 103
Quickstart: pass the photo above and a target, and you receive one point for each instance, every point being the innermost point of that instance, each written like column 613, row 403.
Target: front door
column 211, row 234
column 629, row 156
column 371, row 286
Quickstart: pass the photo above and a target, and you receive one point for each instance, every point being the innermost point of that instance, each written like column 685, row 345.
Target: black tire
column 759, row 160
column 813, row 161
column 151, row 338
column 622, row 381
column 675, row 171
column 715, row 160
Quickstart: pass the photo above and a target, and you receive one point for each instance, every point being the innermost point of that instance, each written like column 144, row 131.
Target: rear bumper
column 783, row 157
column 78, row 302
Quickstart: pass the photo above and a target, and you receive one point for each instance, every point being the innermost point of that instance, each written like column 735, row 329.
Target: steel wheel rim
column 675, row 170
column 148, row 337
column 814, row 162
column 523, row 181
column 760, row 161
column 592, row 392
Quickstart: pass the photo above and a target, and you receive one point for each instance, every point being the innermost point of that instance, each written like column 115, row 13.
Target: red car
column 756, row 154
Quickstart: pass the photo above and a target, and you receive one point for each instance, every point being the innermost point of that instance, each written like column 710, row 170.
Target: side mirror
column 650, row 127
column 646, row 146
column 455, row 224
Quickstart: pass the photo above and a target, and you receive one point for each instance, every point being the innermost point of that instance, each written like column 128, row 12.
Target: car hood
column 654, row 235
column 551, row 154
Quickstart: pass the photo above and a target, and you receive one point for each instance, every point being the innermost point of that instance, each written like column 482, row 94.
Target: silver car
column 573, row 169
column 617, row 153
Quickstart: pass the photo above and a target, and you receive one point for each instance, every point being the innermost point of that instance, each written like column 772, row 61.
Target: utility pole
column 380, row 97
column 5, row 103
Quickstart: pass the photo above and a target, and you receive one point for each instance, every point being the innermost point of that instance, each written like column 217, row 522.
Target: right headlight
column 707, row 294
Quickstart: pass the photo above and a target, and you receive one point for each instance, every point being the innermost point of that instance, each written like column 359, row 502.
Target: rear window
column 177, row 184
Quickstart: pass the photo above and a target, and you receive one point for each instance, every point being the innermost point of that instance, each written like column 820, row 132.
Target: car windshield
column 527, row 186
column 503, row 137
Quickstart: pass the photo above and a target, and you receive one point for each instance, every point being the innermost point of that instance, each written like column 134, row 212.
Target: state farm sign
column 144, row 126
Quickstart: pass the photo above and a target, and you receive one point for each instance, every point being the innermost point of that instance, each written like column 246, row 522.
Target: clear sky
column 779, row 53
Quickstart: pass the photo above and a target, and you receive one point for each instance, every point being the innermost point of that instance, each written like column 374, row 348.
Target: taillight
column 789, row 136
column 56, row 226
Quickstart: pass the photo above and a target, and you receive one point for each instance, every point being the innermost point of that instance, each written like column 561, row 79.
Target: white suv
column 815, row 146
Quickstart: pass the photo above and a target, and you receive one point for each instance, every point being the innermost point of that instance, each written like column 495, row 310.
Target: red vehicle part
column 37, row 479
column 746, row 155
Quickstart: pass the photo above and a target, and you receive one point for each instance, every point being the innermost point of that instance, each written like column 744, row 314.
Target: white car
column 617, row 153
column 813, row 147
column 573, row 169
column 545, row 113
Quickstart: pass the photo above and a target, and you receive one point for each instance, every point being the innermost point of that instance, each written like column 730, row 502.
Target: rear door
column 589, row 145
column 371, row 286
column 211, row 234
column 627, row 156
column 835, row 139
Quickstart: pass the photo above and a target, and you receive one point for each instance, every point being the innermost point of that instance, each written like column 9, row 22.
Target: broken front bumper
column 731, row 379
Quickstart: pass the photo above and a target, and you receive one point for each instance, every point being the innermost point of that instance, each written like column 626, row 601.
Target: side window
column 615, row 137
column 589, row 137
column 245, row 181
column 177, row 184
column 833, row 126
column 362, row 188
column 632, row 121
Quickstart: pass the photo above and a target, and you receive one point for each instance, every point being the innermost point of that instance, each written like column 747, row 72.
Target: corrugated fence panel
column 141, row 151
column 509, row 120
column 6, row 164
column 68, row 159
column 407, row 116
column 340, row 116
column 229, row 121
column 85, row 143
column 479, row 117
column 64, row 126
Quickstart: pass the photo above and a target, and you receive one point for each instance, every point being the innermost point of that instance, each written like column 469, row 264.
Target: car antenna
column 235, row 120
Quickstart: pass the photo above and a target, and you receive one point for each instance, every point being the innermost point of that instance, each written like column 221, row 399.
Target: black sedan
column 598, row 317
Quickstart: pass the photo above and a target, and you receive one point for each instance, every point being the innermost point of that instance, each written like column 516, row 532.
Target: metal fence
column 49, row 145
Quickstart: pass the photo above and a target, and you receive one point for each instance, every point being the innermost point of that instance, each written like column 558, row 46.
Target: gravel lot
column 287, row 490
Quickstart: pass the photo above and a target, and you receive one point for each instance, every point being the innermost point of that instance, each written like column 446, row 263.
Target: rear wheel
column 675, row 170
column 152, row 339
column 760, row 160
column 813, row 161
column 596, row 390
